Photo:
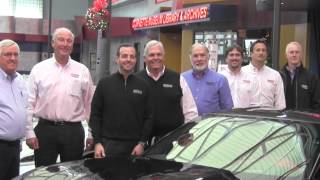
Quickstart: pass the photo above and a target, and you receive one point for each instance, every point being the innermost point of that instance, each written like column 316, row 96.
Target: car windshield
column 248, row 147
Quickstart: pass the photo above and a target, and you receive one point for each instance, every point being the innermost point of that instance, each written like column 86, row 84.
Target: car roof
column 276, row 115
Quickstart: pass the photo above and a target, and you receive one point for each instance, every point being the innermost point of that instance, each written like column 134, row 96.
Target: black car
column 262, row 145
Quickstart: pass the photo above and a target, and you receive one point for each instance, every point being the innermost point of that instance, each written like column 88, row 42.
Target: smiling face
column 154, row 59
column 199, row 57
column 126, row 59
column 62, row 44
column 234, row 59
column 259, row 53
column 9, row 59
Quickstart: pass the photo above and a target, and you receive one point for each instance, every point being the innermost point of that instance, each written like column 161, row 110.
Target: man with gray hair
column 173, row 102
column 61, row 91
column 210, row 90
column 13, row 114
column 302, row 89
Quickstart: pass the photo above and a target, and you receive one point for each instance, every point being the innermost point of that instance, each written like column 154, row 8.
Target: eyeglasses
column 9, row 54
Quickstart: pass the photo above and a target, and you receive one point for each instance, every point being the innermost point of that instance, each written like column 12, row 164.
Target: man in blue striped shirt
column 13, row 116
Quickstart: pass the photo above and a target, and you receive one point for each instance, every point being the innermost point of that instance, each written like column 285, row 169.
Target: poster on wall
column 212, row 46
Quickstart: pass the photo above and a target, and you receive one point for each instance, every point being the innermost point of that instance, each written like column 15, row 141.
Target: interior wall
column 172, row 46
column 187, row 40
column 65, row 9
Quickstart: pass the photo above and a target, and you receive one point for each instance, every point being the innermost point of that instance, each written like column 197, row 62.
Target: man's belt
column 57, row 123
column 10, row 143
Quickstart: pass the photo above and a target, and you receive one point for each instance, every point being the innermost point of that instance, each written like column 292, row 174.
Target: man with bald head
column 60, row 95
column 302, row 90
column 210, row 90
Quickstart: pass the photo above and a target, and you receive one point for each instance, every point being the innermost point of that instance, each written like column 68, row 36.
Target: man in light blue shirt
column 13, row 103
column 210, row 90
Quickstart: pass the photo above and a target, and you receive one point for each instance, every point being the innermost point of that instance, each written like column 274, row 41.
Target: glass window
column 22, row 8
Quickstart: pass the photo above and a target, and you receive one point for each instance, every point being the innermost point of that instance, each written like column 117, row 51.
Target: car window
column 249, row 148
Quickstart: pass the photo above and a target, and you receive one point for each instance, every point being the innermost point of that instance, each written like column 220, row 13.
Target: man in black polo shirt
column 121, row 111
column 173, row 105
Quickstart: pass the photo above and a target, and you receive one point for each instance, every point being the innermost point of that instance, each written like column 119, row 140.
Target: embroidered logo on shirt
column 167, row 85
column 304, row 86
column 75, row 75
column 137, row 91
column 209, row 83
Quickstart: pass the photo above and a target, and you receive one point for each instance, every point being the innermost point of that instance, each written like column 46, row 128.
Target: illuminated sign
column 160, row 1
column 181, row 16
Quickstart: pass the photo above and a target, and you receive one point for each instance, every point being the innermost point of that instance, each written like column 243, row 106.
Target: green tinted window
column 244, row 147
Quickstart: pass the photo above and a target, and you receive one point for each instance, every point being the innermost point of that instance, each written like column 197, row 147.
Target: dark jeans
column 9, row 159
column 66, row 140
column 118, row 147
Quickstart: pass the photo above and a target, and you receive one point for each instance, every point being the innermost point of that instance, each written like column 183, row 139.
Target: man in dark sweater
column 172, row 104
column 302, row 89
column 121, row 111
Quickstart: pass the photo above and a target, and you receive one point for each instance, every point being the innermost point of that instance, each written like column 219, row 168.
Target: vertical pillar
column 103, row 50
column 276, row 34
column 49, row 51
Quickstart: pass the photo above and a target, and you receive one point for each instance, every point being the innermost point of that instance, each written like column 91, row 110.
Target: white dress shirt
column 270, row 87
column 189, row 106
column 59, row 93
column 243, row 87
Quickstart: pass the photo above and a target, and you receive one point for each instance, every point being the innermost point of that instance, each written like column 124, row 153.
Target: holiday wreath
column 97, row 16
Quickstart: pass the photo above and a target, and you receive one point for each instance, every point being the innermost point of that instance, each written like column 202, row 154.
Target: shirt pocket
column 75, row 89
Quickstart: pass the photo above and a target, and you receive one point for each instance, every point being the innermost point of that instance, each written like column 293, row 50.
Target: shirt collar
column 159, row 75
column 255, row 69
column 199, row 74
column 58, row 64
column 292, row 72
column 233, row 73
column 4, row 75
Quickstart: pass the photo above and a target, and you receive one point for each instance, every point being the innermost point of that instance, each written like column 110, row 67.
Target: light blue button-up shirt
column 13, row 106
column 210, row 91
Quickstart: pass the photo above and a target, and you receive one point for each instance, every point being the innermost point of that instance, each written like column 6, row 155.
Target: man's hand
column 99, row 151
column 89, row 144
column 138, row 150
column 33, row 143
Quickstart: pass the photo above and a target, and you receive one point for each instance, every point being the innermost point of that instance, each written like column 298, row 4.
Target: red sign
column 160, row 1
column 187, row 15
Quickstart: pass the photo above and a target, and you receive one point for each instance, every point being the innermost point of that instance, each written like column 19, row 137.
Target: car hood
column 120, row 167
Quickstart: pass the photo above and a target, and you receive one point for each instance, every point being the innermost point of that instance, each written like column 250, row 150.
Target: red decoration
column 98, row 16
column 98, row 5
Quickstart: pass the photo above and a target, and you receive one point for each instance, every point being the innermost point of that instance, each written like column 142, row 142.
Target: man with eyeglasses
column 13, row 114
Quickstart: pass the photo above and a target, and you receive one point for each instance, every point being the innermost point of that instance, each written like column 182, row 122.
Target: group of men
column 257, row 85
column 129, row 110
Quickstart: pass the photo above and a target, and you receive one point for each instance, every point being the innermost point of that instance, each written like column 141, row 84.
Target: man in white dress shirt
column 243, row 87
column 270, row 85
column 60, row 93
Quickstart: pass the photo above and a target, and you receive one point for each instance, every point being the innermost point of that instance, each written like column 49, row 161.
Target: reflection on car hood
column 120, row 167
